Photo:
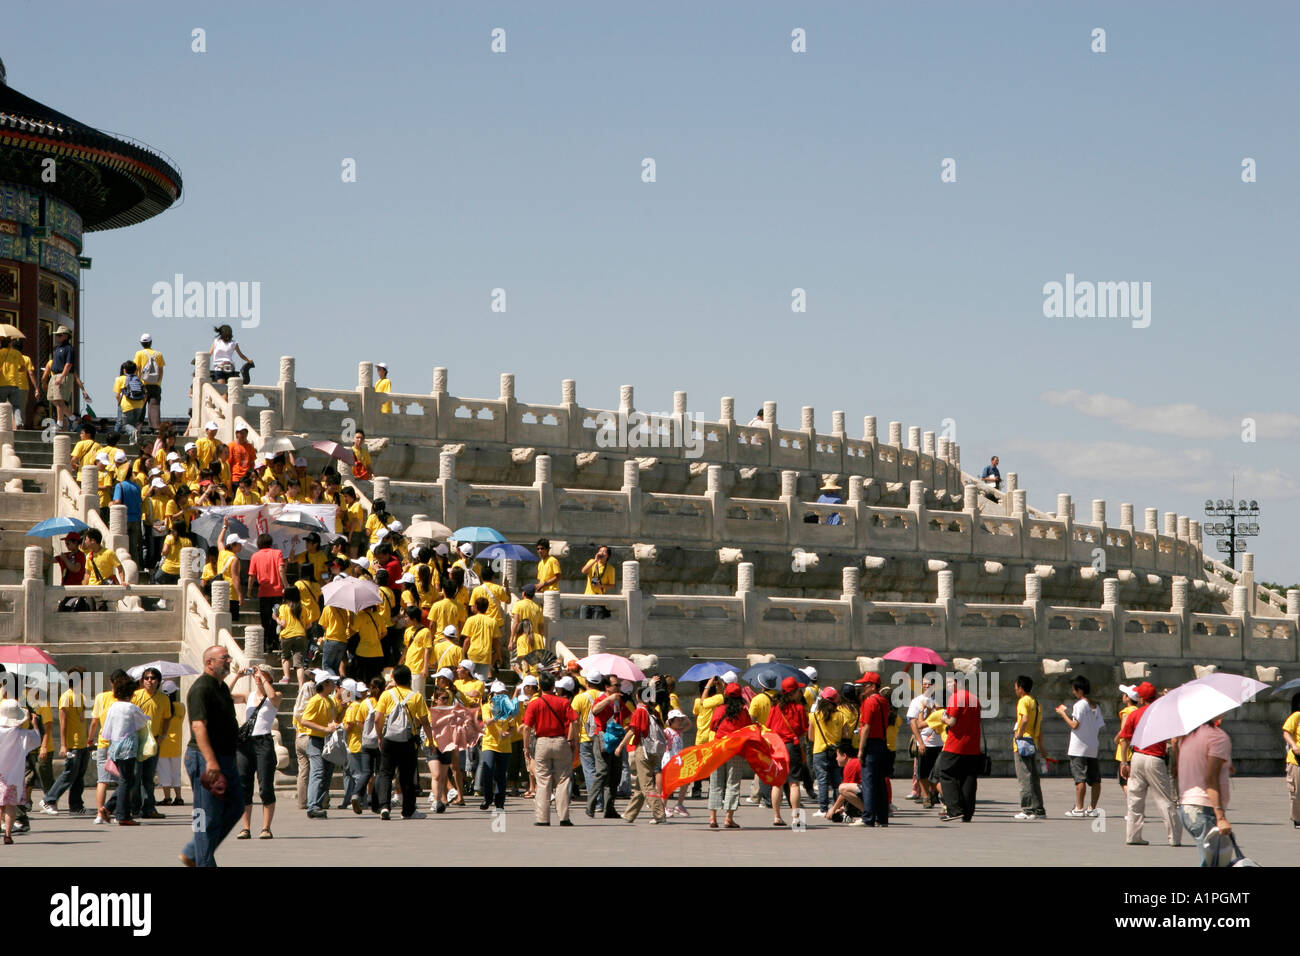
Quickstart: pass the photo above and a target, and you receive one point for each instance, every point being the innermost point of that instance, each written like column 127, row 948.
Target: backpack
column 368, row 736
column 398, row 728
column 654, row 742
column 133, row 389
column 614, row 732
column 150, row 373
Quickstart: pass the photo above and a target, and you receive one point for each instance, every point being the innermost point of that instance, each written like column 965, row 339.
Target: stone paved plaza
column 915, row 839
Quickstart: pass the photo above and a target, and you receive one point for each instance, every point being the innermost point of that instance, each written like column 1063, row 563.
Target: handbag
column 1025, row 746
column 246, row 729
column 335, row 750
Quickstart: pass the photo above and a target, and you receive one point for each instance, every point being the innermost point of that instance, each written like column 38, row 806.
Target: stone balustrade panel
column 949, row 532
column 1045, row 539
column 690, row 620
column 753, row 520
column 546, row 425
column 591, row 513
column 890, row 528
column 678, row 518
column 994, row 627
column 803, row 622
column 997, row 537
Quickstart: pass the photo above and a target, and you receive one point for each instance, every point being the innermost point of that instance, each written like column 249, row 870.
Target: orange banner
column 764, row 751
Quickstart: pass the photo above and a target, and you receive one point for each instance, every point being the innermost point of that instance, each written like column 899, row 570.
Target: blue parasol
column 56, row 527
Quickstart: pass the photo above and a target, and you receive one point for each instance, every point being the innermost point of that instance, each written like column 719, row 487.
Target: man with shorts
column 1085, row 723
column 60, row 376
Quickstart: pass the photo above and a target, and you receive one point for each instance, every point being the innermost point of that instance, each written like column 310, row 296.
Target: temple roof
column 110, row 181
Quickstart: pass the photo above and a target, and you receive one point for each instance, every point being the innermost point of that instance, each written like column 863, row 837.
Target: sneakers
column 439, row 808
column 945, row 818
column 820, row 813
column 1094, row 812
column 101, row 818
column 384, row 814
column 1022, row 815
column 752, row 801
column 858, row 822
column 417, row 815
column 356, row 805
column 22, row 826
column 49, row 808
column 1077, row 813
column 1138, row 843
column 317, row 815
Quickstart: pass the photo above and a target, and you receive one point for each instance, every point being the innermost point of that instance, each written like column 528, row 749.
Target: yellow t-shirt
column 141, row 359
column 367, row 624
column 171, row 744
column 826, row 730
column 74, row 727
column 362, row 455
column 496, row 733
column 759, row 709
column 1292, row 727
column 336, row 623
column 490, row 590
column 84, row 452
column 205, row 449
column 384, row 386
column 934, row 720
column 444, row 612
column 101, row 568
column 417, row 640
column 228, row 566
column 1032, row 726
column 416, row 707
column 448, row 654
column 355, row 717
column 171, row 553
column 481, row 631
column 310, row 595
column 703, row 709
column 548, row 569
column 319, row 710
column 469, row 691
column 247, row 497
column 599, row 581
column 103, row 701
column 582, row 707
column 291, row 625
column 530, row 611
column 1123, row 714
column 158, row 708
column 13, row 370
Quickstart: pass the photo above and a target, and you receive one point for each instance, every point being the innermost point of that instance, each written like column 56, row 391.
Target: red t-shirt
column 872, row 719
column 549, row 716
column 729, row 725
column 963, row 736
column 789, row 722
column 394, row 569
column 265, row 566
column 74, row 567
column 602, row 718
column 1130, row 728
column 241, row 459
column 853, row 770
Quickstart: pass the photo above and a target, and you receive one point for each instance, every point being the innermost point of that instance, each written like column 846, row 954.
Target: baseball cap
column 406, row 578
column 321, row 676
column 870, row 677
column 169, row 687
column 732, row 690
column 395, row 526
column 363, row 563
column 119, row 455
column 146, row 338
column 530, row 590
column 102, row 458
column 789, row 684
column 189, row 445
column 593, row 676
column 810, row 672
column 63, row 330
column 467, row 548
column 729, row 677
column 232, row 538
column 674, row 714
column 177, row 468
column 530, row 681
column 211, row 426
column 173, row 456
column 467, row 664
column 1146, row 690
column 299, row 462
column 829, row 693
column 1129, row 691
column 446, row 673
column 565, row 683
column 381, row 365
column 497, row 687
column 449, row 630
column 159, row 483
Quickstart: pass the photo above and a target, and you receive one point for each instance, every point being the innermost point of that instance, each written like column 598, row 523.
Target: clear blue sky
column 775, row 170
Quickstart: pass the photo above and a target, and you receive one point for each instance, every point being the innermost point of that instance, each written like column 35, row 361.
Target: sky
column 775, row 170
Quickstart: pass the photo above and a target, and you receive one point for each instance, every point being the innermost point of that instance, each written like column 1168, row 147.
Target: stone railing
column 568, row 427
column 749, row 621
column 522, row 512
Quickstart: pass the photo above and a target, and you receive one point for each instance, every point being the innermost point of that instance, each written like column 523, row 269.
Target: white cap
column 321, row 676
column 233, row 538
column 353, row 686
column 158, row 483
column 467, row 549
column 565, row 683
column 730, row 677
column 173, row 456
column 119, row 455
column 381, row 365
column 211, row 427
column 102, row 458
column 497, row 687
column 189, row 445
column 810, row 672
column 530, row 681
column 449, row 630
column 381, row 534
column 593, row 676
column 447, row 673
column 169, row 687
column 154, row 471
column 363, row 563
column 407, row 578
column 145, row 338
column 300, row 462
column 395, row 525
column 177, row 469
column 1129, row 691
column 467, row 664
column 675, row 713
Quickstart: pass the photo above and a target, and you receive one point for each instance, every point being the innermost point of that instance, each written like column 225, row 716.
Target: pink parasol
column 916, row 655
column 335, row 450
column 24, row 654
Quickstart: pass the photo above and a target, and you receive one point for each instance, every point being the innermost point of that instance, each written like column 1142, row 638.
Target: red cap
column 870, row 677
column 574, row 666
column 789, row 684
column 731, row 690
column 829, row 693
column 1146, row 690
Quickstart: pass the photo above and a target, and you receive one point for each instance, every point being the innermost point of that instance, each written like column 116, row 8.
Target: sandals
column 245, row 834
column 713, row 824
column 265, row 834
column 778, row 822
column 731, row 826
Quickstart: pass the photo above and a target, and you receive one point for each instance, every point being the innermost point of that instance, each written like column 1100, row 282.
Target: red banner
column 764, row 751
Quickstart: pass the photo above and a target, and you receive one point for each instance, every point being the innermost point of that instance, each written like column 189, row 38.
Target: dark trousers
column 361, row 767
column 257, row 757
column 593, row 612
column 142, row 800
column 71, row 780
column 270, row 637
column 875, row 767
column 958, row 776
column 494, row 767
column 516, row 770
column 609, row 768
column 399, row 756
column 127, row 770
